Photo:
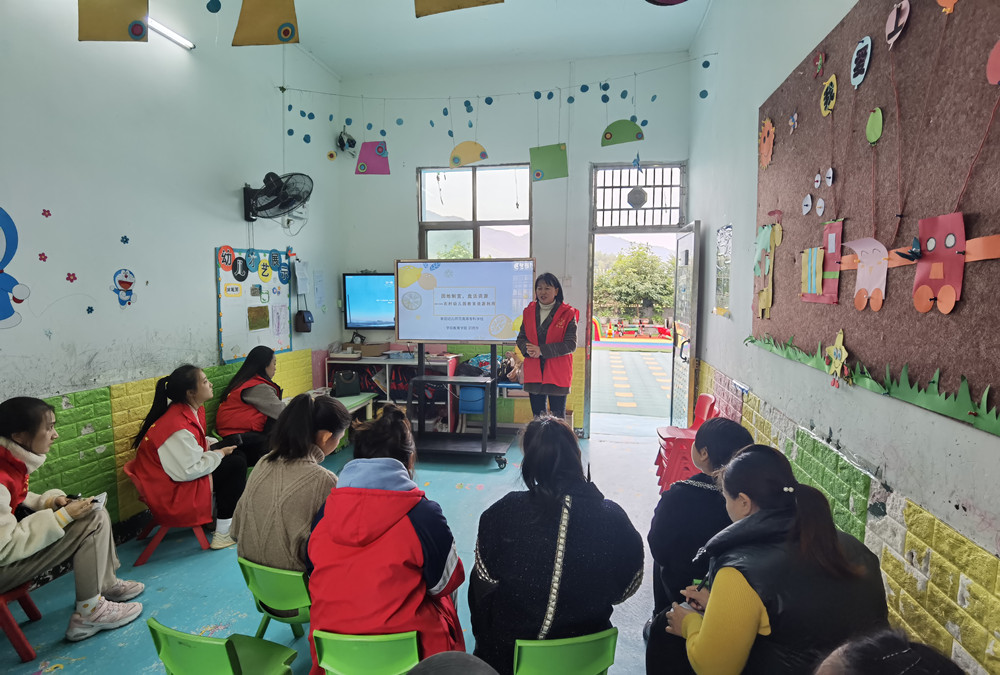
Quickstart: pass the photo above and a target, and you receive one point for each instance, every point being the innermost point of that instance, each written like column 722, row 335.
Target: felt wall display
column 12, row 292
column 253, row 306
column 921, row 172
column 113, row 20
column 266, row 22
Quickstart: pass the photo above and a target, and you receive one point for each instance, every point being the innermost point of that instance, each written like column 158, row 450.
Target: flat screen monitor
column 455, row 301
column 369, row 301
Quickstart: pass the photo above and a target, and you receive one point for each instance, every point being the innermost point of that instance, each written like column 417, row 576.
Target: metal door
column 684, row 329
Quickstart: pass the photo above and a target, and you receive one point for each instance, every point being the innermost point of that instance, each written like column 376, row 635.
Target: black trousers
column 666, row 654
column 229, row 479
column 557, row 405
column 251, row 445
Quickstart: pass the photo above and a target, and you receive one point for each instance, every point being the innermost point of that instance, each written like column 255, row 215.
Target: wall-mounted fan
column 280, row 195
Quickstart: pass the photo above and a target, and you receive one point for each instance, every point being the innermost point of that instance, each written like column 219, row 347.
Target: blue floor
column 203, row 592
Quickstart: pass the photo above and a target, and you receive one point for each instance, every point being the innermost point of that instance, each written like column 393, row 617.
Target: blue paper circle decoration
column 624, row 93
column 348, row 121
column 451, row 133
column 549, row 96
column 470, row 124
column 703, row 93
column 214, row 6
column 368, row 126
column 538, row 95
column 381, row 132
column 604, row 98
column 399, row 121
column 444, row 111
column 307, row 138
column 653, row 99
column 584, row 88
column 488, row 100
column 291, row 132
column 570, row 99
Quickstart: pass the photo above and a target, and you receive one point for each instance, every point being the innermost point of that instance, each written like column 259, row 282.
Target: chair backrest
column 585, row 655
column 704, row 409
column 129, row 470
column 277, row 589
column 186, row 654
column 393, row 654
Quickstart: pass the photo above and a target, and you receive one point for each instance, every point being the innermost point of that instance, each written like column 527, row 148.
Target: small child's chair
column 673, row 460
column 10, row 625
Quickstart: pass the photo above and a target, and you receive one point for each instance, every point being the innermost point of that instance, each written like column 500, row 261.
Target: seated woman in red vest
column 39, row 532
column 176, row 464
column 383, row 556
column 250, row 404
column 548, row 339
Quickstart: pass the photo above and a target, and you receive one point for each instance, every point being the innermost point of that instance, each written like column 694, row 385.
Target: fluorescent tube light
column 158, row 27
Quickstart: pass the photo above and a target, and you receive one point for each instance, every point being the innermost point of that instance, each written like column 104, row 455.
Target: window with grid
column 625, row 197
column 475, row 212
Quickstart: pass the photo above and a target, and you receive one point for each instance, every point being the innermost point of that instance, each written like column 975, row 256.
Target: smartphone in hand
column 100, row 500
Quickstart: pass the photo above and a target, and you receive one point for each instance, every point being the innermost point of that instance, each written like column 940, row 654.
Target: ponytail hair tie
column 788, row 489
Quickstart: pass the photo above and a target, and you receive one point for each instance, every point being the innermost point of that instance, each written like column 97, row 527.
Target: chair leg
column 144, row 532
column 263, row 626
column 202, row 539
column 15, row 634
column 151, row 546
column 29, row 607
column 297, row 630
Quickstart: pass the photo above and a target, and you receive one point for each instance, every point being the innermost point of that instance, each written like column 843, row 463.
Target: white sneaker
column 124, row 590
column 221, row 541
column 106, row 615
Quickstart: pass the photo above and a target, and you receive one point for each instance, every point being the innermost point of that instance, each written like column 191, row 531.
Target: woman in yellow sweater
column 787, row 587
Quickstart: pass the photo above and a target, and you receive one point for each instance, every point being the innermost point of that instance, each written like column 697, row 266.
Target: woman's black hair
column 552, row 461
column 550, row 279
column 765, row 476
column 721, row 438
column 294, row 433
column 388, row 435
column 23, row 414
column 890, row 652
column 174, row 387
column 256, row 363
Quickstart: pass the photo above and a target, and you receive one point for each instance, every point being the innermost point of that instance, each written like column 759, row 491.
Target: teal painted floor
column 203, row 592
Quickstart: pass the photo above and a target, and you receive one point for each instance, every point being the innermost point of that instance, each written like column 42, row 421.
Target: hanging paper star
column 124, row 239
column 90, row 310
column 42, row 257
column 70, row 277
column 46, row 213
column 635, row 163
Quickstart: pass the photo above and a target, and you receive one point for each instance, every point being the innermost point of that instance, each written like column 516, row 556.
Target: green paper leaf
column 873, row 131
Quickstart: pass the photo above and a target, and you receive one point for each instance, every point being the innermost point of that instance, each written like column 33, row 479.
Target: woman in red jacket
column 174, row 458
column 548, row 340
column 250, row 404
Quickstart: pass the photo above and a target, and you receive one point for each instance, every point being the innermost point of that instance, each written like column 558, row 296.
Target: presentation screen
column 462, row 300
column 370, row 301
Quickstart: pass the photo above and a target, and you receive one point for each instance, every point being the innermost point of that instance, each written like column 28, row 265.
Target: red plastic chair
column 160, row 533
column 673, row 460
column 11, row 627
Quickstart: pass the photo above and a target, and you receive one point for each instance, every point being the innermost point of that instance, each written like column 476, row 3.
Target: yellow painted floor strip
column 619, row 378
column 624, row 394
column 662, row 379
column 622, row 385
column 627, row 404
column 665, row 387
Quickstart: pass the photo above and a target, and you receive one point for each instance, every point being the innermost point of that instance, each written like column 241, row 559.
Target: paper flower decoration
column 124, row 239
column 793, row 122
column 46, row 213
column 90, row 310
column 70, row 277
column 765, row 142
column 42, row 257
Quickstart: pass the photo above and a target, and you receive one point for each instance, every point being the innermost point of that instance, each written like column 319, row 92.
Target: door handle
column 685, row 343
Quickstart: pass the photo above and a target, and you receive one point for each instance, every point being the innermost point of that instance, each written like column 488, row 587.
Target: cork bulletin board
column 935, row 347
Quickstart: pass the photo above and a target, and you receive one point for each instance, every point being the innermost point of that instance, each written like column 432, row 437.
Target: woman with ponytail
column 786, row 586
column 177, row 466
column 250, row 404
column 286, row 490
column 383, row 556
column 552, row 561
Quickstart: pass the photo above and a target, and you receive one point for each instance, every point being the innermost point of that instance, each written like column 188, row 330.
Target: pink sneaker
column 106, row 615
column 124, row 590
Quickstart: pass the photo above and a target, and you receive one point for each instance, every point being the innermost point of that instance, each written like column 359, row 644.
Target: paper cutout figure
column 873, row 266
column 373, row 159
column 829, row 263
column 836, row 357
column 873, row 130
column 765, row 142
column 914, row 253
column 812, row 271
column 768, row 240
column 820, row 207
column 113, row 20
column 622, row 131
column 819, row 61
column 548, row 162
column 12, row 291
column 993, row 65
column 941, row 268
column 266, row 22
column 829, row 177
column 121, row 285
column 947, row 6
column 817, row 181
column 860, row 62
column 807, row 204
column 793, row 122
column 428, row 7
column 896, row 22
column 467, row 152
column 828, row 98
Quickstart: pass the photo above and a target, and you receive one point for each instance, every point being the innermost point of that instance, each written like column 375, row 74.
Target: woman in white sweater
column 38, row 532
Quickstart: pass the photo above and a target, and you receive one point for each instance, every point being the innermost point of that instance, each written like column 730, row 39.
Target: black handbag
column 346, row 383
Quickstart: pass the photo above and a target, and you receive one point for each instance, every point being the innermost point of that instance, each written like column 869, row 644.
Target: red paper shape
column 941, row 267
column 993, row 65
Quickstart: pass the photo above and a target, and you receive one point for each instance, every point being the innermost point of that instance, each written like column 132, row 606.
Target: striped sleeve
column 443, row 570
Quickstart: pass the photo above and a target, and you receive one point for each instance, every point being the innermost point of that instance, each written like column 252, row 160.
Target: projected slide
column 462, row 300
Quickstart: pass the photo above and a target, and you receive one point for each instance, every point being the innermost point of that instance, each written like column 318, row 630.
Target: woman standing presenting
column 548, row 340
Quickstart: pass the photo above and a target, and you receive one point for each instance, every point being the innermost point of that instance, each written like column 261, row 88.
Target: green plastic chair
column 393, row 654
column 186, row 654
column 585, row 655
column 281, row 590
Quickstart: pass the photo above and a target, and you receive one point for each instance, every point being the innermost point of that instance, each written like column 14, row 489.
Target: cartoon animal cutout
column 941, row 266
column 11, row 290
column 768, row 239
column 873, row 267
column 121, row 285
column 821, row 267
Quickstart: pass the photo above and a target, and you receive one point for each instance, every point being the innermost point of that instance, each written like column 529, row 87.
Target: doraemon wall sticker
column 11, row 290
column 122, row 284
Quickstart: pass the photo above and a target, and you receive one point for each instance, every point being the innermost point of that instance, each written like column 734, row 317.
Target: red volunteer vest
column 237, row 417
column 558, row 370
column 14, row 477
column 173, row 504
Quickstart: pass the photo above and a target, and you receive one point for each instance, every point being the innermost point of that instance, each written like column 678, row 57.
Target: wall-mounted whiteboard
column 462, row 300
column 254, row 301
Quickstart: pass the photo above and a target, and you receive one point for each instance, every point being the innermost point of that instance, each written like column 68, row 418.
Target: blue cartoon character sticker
column 11, row 290
column 121, row 285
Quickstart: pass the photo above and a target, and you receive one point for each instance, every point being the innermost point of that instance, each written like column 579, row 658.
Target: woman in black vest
column 786, row 586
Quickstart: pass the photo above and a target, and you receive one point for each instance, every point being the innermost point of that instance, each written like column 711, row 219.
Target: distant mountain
column 504, row 244
column 608, row 243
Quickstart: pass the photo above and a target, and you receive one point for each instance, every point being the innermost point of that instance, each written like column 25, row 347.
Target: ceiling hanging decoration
column 113, row 20
column 467, row 152
column 428, row 7
column 266, row 22
column 622, row 131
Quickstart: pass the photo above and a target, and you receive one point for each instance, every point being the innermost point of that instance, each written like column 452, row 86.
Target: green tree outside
column 458, row 251
column 637, row 280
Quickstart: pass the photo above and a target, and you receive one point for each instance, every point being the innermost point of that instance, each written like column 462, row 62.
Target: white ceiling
column 356, row 38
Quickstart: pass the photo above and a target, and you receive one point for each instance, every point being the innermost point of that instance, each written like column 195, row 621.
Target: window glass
column 446, row 195
column 502, row 193
column 509, row 241
column 449, row 244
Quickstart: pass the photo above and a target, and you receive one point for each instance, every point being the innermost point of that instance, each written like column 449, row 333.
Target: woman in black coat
column 550, row 562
